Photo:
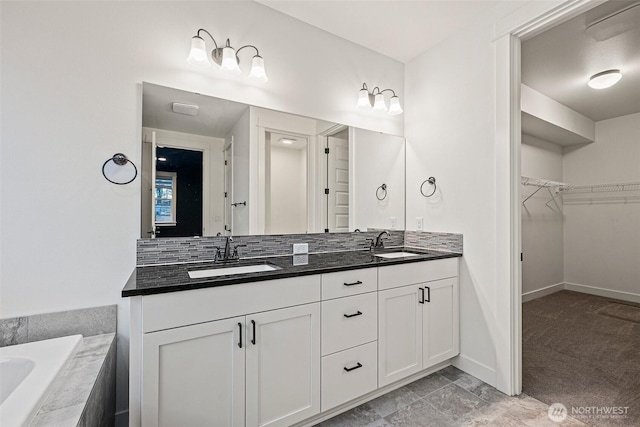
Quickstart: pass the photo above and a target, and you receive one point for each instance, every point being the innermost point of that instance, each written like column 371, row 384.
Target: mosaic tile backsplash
column 450, row 242
column 199, row 249
column 190, row 249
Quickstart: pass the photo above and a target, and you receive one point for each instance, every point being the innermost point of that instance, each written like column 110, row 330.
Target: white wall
column 450, row 125
column 376, row 159
column 288, row 191
column 542, row 225
column 602, row 238
column 71, row 98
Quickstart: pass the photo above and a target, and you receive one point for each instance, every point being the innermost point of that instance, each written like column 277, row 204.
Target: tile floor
column 448, row 397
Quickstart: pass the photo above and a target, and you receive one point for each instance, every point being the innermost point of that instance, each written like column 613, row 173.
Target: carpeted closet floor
column 583, row 351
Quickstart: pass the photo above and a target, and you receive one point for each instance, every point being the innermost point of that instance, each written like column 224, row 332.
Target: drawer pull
column 253, row 325
column 354, row 283
column 359, row 313
column 359, row 365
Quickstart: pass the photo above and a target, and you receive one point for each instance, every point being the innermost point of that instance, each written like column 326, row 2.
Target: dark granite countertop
column 158, row 279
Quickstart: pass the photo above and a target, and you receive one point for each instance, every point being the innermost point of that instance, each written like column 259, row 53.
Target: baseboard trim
column 539, row 293
column 475, row 368
column 601, row 292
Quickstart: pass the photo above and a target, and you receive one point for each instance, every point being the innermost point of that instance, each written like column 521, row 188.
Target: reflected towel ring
column 381, row 192
column 119, row 170
column 431, row 180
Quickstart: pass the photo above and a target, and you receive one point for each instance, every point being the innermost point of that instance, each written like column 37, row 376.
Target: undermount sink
column 396, row 254
column 237, row 269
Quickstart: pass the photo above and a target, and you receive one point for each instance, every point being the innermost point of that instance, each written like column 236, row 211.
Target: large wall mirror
column 212, row 167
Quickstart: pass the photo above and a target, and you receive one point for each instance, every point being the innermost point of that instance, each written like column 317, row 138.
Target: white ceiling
column 560, row 61
column 398, row 29
column 215, row 118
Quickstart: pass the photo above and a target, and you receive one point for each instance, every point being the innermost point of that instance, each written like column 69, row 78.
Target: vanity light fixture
column 226, row 57
column 379, row 104
column 605, row 79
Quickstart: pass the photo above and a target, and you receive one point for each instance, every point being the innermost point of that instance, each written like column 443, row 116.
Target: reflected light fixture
column 379, row 104
column 226, row 57
column 605, row 79
column 286, row 141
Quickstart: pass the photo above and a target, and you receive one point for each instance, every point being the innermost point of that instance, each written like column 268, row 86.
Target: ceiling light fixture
column 186, row 109
column 226, row 57
column 605, row 79
column 379, row 104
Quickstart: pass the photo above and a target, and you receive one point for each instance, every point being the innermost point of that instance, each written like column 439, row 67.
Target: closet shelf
column 599, row 188
column 560, row 188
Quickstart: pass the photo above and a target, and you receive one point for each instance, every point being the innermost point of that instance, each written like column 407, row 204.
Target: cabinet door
column 440, row 321
column 194, row 375
column 283, row 366
column 399, row 333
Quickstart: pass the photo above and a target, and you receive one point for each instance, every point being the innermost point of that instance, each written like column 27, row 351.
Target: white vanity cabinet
column 256, row 369
column 283, row 366
column 418, row 317
column 194, row 375
column 349, row 336
column 289, row 351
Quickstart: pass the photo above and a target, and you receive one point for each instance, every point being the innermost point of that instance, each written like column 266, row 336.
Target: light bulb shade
column 379, row 104
column 363, row 100
column 394, row 106
column 198, row 54
column 258, row 72
column 605, row 79
column 229, row 61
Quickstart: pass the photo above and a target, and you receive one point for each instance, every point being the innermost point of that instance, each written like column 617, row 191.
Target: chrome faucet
column 229, row 253
column 227, row 248
column 378, row 243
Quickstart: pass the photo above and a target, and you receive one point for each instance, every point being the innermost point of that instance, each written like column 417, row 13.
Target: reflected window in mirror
column 166, row 198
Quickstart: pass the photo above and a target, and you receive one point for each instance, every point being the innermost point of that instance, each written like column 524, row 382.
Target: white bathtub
column 27, row 372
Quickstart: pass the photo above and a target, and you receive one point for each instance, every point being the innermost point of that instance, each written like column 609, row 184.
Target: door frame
column 509, row 32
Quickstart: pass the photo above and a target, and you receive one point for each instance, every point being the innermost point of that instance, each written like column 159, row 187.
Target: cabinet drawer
column 394, row 276
column 339, row 385
column 350, row 282
column 339, row 331
column 164, row 311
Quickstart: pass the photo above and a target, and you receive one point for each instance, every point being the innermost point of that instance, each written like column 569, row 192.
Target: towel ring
column 119, row 170
column 431, row 180
column 381, row 192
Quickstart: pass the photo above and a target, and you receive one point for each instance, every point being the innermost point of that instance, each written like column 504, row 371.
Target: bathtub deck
column 85, row 392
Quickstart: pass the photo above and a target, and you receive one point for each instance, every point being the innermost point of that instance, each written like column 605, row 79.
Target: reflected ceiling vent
column 186, row 109
column 614, row 22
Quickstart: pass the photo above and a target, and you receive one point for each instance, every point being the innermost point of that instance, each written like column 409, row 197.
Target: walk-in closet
column 580, row 193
